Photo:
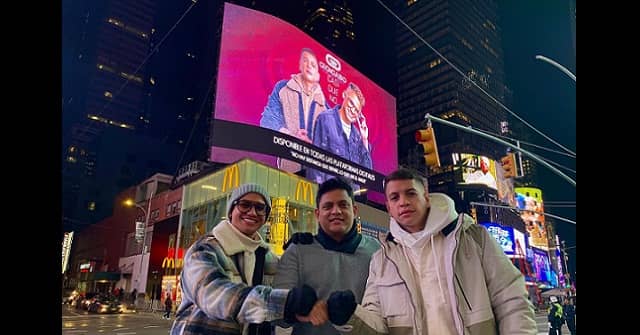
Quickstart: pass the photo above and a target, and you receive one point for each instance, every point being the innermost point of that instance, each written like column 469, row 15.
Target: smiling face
column 408, row 203
column 351, row 106
column 335, row 213
column 249, row 213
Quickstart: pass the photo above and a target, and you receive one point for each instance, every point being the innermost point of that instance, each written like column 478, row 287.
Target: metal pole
column 562, row 68
column 147, row 213
column 479, row 133
column 523, row 210
column 175, row 258
column 565, row 258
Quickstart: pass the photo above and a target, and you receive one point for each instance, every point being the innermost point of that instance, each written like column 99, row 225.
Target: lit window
column 71, row 159
column 72, row 149
column 152, row 81
column 108, row 94
column 92, row 206
column 411, row 2
column 189, row 99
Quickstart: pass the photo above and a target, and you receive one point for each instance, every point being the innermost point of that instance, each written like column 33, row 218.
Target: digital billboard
column 476, row 169
column 287, row 101
column 508, row 239
column 530, row 200
column 503, row 235
column 542, row 266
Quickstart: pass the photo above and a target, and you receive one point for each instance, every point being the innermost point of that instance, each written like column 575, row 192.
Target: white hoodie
column 425, row 251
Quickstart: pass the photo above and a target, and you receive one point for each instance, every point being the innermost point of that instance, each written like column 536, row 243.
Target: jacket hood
column 441, row 213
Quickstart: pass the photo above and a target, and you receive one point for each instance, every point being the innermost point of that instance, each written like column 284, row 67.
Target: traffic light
column 508, row 165
column 427, row 138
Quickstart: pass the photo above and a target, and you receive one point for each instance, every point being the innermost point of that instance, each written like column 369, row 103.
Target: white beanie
column 243, row 189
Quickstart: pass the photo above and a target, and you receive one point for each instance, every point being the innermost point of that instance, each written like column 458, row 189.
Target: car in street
column 105, row 304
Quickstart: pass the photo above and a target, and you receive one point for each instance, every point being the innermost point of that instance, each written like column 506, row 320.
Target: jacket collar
column 348, row 245
column 233, row 241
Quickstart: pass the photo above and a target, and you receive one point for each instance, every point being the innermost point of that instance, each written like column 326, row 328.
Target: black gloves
column 299, row 238
column 300, row 300
column 341, row 306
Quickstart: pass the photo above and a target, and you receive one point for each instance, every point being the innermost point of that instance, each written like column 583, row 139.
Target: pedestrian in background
column 167, row 306
column 569, row 311
column 555, row 317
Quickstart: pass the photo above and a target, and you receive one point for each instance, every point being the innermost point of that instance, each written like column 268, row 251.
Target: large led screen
column 476, row 169
column 529, row 199
column 285, row 100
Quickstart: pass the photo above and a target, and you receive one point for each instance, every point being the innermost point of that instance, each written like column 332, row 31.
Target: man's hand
column 302, row 134
column 341, row 306
column 318, row 316
column 299, row 238
column 364, row 130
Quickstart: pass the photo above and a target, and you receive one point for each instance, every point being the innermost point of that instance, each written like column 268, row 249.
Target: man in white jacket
column 436, row 273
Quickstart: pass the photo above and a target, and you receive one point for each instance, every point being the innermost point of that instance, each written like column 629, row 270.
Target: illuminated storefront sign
column 307, row 192
column 66, row 250
column 231, row 178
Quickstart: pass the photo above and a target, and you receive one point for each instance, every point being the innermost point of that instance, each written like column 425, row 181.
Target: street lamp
column 554, row 63
column 146, row 212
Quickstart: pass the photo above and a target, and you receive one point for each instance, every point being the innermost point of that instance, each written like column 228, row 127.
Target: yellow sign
column 231, row 175
column 169, row 263
column 307, row 191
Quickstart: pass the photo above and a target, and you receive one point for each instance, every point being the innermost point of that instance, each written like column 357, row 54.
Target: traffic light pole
column 493, row 138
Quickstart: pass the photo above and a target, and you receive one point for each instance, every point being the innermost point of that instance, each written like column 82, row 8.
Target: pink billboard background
column 258, row 50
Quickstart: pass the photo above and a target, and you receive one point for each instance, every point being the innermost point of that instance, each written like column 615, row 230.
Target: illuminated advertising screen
column 287, row 101
column 476, row 169
column 530, row 199
column 542, row 266
column 520, row 242
column 503, row 235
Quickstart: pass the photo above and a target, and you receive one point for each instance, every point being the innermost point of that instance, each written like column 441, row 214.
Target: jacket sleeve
column 208, row 285
column 367, row 318
column 287, row 274
column 507, row 291
column 273, row 114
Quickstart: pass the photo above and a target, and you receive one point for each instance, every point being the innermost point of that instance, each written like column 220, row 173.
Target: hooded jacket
column 472, row 286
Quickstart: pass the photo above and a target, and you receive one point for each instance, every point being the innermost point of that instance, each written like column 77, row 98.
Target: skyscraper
column 468, row 35
column 105, row 86
column 331, row 23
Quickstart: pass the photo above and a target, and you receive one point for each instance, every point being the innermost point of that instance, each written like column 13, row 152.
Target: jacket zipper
column 462, row 290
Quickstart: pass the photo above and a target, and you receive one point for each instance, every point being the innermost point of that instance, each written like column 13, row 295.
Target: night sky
column 543, row 95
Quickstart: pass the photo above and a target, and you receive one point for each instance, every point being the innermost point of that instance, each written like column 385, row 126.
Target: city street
column 81, row 322
column 76, row 321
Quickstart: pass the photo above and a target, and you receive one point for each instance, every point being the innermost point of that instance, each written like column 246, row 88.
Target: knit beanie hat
column 243, row 189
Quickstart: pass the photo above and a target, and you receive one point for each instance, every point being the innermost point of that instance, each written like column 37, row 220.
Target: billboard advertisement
column 530, row 200
column 285, row 100
column 476, row 169
column 542, row 267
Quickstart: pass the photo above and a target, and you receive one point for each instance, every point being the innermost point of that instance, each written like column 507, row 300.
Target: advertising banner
column 287, row 101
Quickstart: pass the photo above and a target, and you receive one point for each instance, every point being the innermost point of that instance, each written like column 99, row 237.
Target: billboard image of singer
column 275, row 85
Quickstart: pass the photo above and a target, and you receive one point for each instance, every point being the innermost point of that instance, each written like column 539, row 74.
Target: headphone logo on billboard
column 231, row 178
column 333, row 62
column 307, row 191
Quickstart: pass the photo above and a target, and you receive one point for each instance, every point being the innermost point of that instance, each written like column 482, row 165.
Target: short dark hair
column 331, row 184
column 403, row 174
column 309, row 51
